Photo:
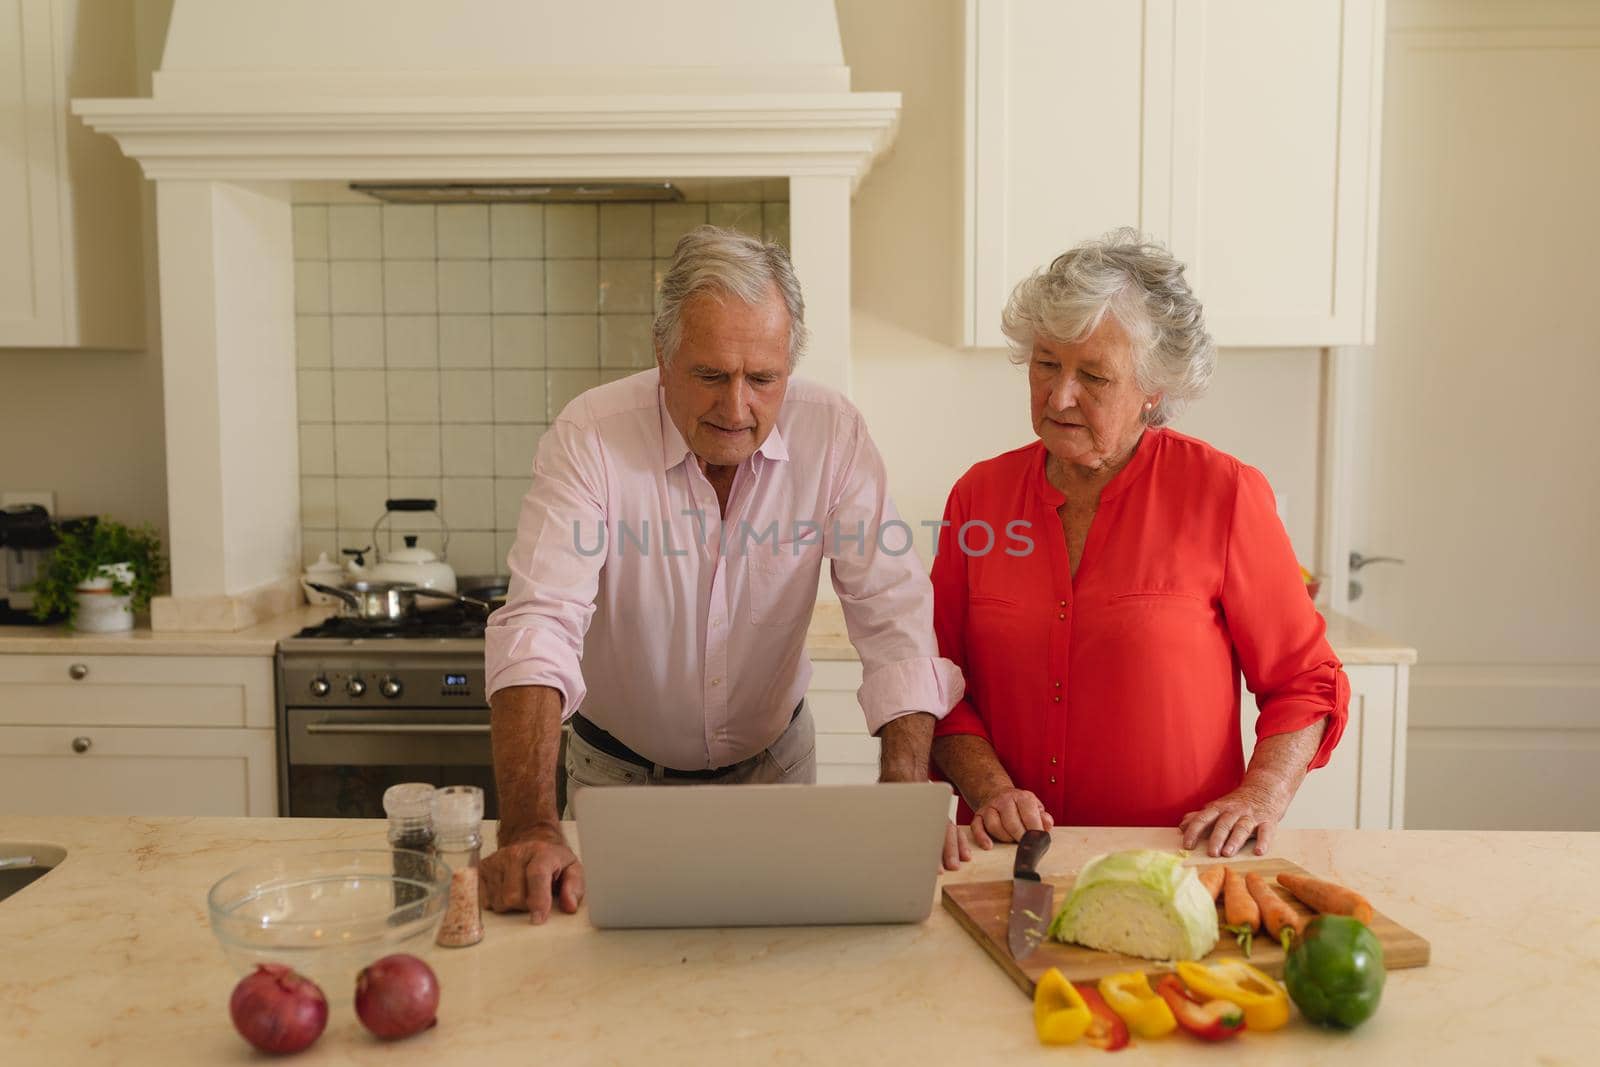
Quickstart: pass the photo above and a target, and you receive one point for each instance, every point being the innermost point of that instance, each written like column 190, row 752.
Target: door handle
column 1357, row 560
column 396, row 728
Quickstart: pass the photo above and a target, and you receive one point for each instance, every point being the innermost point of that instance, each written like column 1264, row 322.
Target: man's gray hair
column 710, row 259
column 1139, row 282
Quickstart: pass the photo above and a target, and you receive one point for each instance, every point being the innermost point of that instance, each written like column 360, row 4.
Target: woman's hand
column 1007, row 815
column 1227, row 822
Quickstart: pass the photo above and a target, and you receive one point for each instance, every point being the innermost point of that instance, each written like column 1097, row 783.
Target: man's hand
column 1007, row 815
column 532, row 873
column 1227, row 822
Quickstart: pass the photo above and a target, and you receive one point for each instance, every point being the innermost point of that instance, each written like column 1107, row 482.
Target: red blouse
column 1114, row 696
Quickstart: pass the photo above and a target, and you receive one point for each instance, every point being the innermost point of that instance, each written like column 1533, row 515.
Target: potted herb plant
column 99, row 575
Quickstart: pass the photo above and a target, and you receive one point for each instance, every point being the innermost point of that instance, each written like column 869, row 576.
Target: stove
column 363, row 705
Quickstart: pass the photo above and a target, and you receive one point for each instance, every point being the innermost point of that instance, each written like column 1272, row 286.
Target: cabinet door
column 1357, row 789
column 1068, row 125
column 136, row 771
column 31, row 291
column 846, row 753
column 1275, row 161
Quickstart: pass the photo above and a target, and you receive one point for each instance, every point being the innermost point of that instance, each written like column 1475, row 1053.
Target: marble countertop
column 109, row 959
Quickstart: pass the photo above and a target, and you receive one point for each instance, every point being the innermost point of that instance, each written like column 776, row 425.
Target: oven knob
column 390, row 687
column 355, row 687
column 320, row 687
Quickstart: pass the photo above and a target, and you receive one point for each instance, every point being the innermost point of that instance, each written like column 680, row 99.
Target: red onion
column 277, row 1010
column 397, row 996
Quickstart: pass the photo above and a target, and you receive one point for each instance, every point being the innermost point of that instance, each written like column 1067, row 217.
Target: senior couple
column 1074, row 658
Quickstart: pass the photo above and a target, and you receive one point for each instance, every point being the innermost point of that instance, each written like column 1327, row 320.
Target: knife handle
column 1030, row 850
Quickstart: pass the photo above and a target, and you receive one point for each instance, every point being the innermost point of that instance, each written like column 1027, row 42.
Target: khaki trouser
column 790, row 760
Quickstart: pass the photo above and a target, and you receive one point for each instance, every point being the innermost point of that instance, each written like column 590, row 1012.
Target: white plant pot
column 99, row 610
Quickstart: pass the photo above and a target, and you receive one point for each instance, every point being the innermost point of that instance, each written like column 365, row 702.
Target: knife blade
column 1032, row 898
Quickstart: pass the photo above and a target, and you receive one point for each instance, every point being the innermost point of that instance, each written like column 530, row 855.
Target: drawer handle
column 78, row 671
column 81, row 744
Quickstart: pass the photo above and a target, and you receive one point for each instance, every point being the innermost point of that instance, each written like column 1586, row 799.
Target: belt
column 608, row 744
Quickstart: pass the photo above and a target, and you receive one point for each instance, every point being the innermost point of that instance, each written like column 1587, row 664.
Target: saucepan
column 387, row 601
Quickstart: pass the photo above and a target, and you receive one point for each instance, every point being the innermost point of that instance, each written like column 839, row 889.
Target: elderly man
column 666, row 566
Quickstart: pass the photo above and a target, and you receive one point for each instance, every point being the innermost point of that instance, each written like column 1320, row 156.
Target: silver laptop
column 761, row 855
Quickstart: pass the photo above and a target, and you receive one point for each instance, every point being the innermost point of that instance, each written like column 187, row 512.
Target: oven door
column 338, row 762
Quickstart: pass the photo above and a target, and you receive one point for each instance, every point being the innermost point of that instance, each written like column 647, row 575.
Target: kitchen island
column 109, row 959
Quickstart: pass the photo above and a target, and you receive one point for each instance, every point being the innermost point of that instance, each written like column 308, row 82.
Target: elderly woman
column 1102, row 587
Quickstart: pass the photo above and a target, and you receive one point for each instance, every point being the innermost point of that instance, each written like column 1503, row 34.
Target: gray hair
column 1139, row 282
column 710, row 259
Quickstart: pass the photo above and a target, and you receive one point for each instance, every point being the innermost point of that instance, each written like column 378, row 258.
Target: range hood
column 458, row 99
column 519, row 192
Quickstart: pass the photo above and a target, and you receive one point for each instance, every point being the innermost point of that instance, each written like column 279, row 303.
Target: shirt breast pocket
column 783, row 582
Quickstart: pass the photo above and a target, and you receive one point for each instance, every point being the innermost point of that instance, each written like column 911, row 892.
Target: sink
column 23, row 863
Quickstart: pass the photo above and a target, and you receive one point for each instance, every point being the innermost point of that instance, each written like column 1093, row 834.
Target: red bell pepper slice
column 1209, row 1020
column 1106, row 1028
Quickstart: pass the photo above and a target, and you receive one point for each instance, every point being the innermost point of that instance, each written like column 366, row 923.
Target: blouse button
column 1052, row 779
column 1052, row 761
column 1062, row 603
column 1063, row 615
column 1058, row 685
column 1056, row 699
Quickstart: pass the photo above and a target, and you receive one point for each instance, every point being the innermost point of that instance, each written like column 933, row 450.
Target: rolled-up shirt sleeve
column 886, row 596
column 537, row 637
column 1280, row 638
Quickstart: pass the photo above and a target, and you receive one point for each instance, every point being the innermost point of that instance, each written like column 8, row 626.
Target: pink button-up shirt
column 682, row 632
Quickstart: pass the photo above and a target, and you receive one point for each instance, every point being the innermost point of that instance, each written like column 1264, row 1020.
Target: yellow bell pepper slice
column 1059, row 1013
column 1264, row 1002
column 1131, row 997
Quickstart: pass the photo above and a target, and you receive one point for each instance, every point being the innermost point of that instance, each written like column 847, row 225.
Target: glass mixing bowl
column 329, row 914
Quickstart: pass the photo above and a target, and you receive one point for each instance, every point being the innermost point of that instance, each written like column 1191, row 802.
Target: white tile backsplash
column 465, row 340
column 464, row 286
column 436, row 342
column 465, row 396
column 355, row 286
column 517, row 286
column 357, row 340
column 413, row 451
column 313, row 341
column 411, row 340
column 469, row 504
column 310, row 231
column 468, row 449
column 408, row 231
column 516, row 231
column 359, row 396
column 414, row 396
column 355, row 232
column 360, row 449
column 518, row 341
column 518, row 396
column 410, row 287
column 463, row 231
column 310, row 287
column 572, row 231
column 572, row 340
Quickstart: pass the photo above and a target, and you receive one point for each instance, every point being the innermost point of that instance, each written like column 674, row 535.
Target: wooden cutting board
column 982, row 909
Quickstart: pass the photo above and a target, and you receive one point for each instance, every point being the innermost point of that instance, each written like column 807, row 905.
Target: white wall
column 89, row 424
column 935, row 408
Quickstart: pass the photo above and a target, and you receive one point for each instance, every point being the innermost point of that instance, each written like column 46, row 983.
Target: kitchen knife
column 1032, row 898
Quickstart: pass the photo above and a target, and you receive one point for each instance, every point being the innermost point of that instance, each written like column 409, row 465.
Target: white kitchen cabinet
column 137, row 735
column 71, row 261
column 1242, row 133
column 1362, row 786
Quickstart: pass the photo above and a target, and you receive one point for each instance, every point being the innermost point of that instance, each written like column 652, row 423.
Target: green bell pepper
column 1335, row 972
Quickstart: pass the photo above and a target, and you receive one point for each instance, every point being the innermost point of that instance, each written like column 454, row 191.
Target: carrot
column 1211, row 878
column 1276, row 912
column 1330, row 898
column 1237, row 905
